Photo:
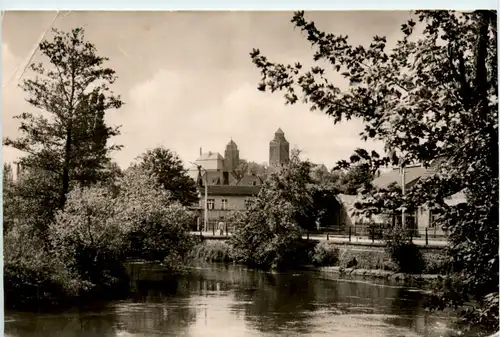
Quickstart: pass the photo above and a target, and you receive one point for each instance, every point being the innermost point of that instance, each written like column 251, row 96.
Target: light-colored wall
column 234, row 203
column 211, row 164
column 424, row 221
column 423, row 218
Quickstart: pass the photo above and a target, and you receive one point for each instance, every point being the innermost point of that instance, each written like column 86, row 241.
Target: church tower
column 231, row 156
column 279, row 150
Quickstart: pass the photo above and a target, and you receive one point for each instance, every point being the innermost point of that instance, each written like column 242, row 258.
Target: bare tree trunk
column 66, row 176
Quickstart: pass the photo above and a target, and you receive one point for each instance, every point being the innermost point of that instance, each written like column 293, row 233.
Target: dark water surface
column 217, row 300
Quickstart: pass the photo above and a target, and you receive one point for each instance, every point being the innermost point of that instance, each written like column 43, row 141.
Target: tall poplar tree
column 66, row 139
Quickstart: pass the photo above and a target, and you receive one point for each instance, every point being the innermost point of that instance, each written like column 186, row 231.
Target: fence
column 376, row 232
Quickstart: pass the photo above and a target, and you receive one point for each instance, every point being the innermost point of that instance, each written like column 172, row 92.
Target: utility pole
column 403, row 192
column 205, row 217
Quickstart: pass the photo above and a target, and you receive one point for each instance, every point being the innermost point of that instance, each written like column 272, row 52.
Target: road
column 438, row 243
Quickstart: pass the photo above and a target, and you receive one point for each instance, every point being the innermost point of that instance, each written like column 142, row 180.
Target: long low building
column 423, row 219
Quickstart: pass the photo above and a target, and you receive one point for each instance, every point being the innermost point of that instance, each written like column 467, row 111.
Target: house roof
column 412, row 174
column 210, row 156
column 415, row 173
column 232, row 190
column 249, row 179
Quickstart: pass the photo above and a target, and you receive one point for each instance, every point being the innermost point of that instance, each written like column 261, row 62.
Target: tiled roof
column 412, row 174
column 415, row 173
column 232, row 190
column 214, row 177
column 250, row 179
column 210, row 156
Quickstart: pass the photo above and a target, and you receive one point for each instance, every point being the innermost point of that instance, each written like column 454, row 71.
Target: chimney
column 200, row 151
column 225, row 180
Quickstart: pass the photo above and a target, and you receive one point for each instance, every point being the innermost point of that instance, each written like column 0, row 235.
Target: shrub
column 268, row 241
column 87, row 239
column 325, row 254
column 269, row 234
column 211, row 251
column 405, row 254
column 365, row 259
column 434, row 263
column 33, row 275
column 156, row 227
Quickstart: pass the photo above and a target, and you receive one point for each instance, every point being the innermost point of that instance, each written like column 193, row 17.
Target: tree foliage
column 433, row 96
column 31, row 200
column 32, row 275
column 269, row 234
column 155, row 224
column 261, row 170
column 68, row 135
column 171, row 174
column 87, row 237
column 241, row 170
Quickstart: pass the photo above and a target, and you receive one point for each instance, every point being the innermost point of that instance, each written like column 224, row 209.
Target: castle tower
column 231, row 156
column 279, row 150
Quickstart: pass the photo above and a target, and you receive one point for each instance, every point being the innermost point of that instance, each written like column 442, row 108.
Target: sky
column 188, row 82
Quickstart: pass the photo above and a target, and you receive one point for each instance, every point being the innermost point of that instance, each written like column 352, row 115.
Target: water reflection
column 218, row 300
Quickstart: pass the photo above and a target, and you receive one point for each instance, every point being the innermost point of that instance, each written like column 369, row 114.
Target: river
column 218, row 300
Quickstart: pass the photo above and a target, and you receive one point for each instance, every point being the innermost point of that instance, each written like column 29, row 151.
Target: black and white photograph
column 250, row 173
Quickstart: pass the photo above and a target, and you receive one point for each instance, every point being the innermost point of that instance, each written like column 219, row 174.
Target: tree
column 156, row 225
column 357, row 174
column 241, row 170
column 8, row 174
column 261, row 170
column 69, row 137
column 434, row 96
column 170, row 173
column 269, row 234
column 87, row 237
column 354, row 179
column 31, row 200
column 8, row 182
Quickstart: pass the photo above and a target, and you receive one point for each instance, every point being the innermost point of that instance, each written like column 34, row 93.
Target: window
column 211, row 203
column 432, row 220
column 224, row 204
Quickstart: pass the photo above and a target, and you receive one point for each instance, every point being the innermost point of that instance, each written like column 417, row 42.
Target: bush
column 88, row 240
column 406, row 255
column 211, row 251
column 325, row 254
column 365, row 259
column 156, row 227
column 268, row 235
column 434, row 263
column 268, row 241
column 34, row 276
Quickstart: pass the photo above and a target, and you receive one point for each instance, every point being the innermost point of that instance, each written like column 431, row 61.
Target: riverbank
column 379, row 274
column 344, row 259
